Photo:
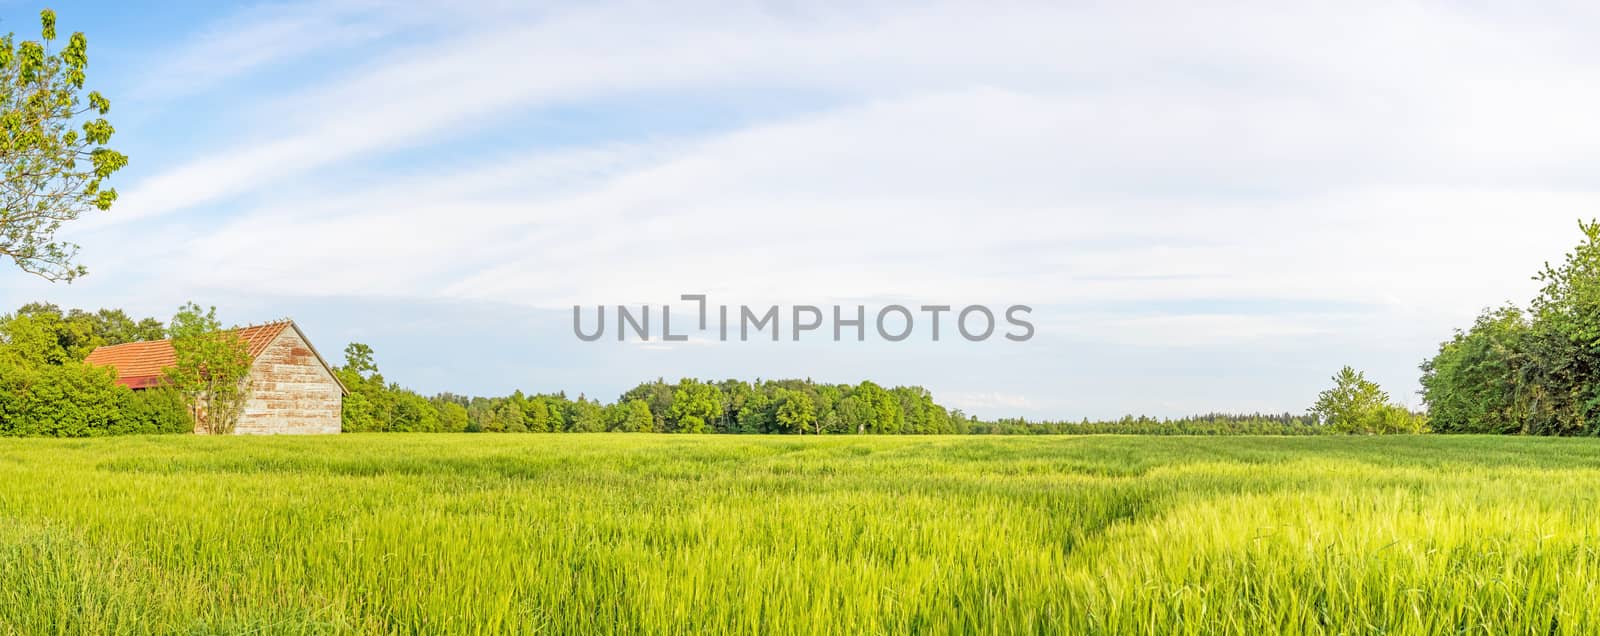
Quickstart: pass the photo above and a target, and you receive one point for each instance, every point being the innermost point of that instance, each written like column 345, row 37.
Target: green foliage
column 114, row 326
column 694, row 403
column 1352, row 404
column 1569, row 301
column 66, row 400
column 1471, row 385
column 413, row 413
column 211, row 371
column 372, row 405
column 368, row 406
column 40, row 340
column 586, row 416
column 153, row 410
column 793, row 406
column 45, row 389
column 452, row 417
column 629, row 416
column 1535, row 373
column 1357, row 405
column 77, row 400
column 53, row 154
column 794, row 411
column 883, row 411
column 806, row 407
column 538, row 414
column 43, row 334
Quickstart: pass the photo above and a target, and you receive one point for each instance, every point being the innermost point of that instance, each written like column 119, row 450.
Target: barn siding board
column 290, row 391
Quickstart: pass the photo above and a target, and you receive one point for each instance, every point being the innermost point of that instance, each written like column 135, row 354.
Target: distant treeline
column 1208, row 424
column 685, row 406
column 736, row 406
column 47, row 390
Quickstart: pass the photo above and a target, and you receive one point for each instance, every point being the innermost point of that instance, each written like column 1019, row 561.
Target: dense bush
column 156, row 410
column 78, row 400
column 69, row 400
column 1534, row 372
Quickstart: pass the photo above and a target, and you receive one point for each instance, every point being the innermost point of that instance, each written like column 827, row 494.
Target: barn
column 292, row 388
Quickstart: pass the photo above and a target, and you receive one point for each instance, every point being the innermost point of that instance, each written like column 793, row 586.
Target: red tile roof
column 140, row 365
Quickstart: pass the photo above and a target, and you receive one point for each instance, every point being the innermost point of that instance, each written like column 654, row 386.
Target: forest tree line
column 690, row 405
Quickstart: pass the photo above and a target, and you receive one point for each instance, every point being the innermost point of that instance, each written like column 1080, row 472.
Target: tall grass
column 758, row 535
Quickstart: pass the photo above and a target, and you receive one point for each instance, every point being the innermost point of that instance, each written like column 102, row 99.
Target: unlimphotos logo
column 892, row 323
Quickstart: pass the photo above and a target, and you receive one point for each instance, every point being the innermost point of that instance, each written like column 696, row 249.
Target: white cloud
column 263, row 35
column 863, row 204
column 988, row 400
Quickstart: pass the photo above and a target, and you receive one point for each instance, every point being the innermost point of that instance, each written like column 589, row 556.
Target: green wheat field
column 485, row 534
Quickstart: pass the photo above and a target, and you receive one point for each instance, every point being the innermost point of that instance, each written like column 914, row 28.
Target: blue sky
column 1207, row 210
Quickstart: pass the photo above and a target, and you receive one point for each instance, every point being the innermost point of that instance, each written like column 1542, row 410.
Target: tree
column 509, row 416
column 358, row 360
column 211, row 369
column 1472, row 384
column 39, row 338
column 854, row 414
column 1357, row 405
column 694, row 404
column 114, row 326
column 537, row 416
column 630, row 416
column 1570, row 299
column 452, row 417
column 560, row 409
column 1560, row 359
column 885, row 409
column 656, row 395
column 758, row 414
column 586, row 416
column 368, row 405
column 795, row 412
column 53, row 168
column 411, row 412
column 1351, row 403
column 51, row 336
column 737, row 393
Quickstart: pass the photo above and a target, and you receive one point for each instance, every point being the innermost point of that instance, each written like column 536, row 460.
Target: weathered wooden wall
column 290, row 391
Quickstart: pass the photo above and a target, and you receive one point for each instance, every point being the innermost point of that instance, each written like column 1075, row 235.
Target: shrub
column 70, row 400
column 157, row 410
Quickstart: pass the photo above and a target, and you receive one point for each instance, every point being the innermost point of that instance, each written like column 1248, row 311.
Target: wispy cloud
column 262, row 36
